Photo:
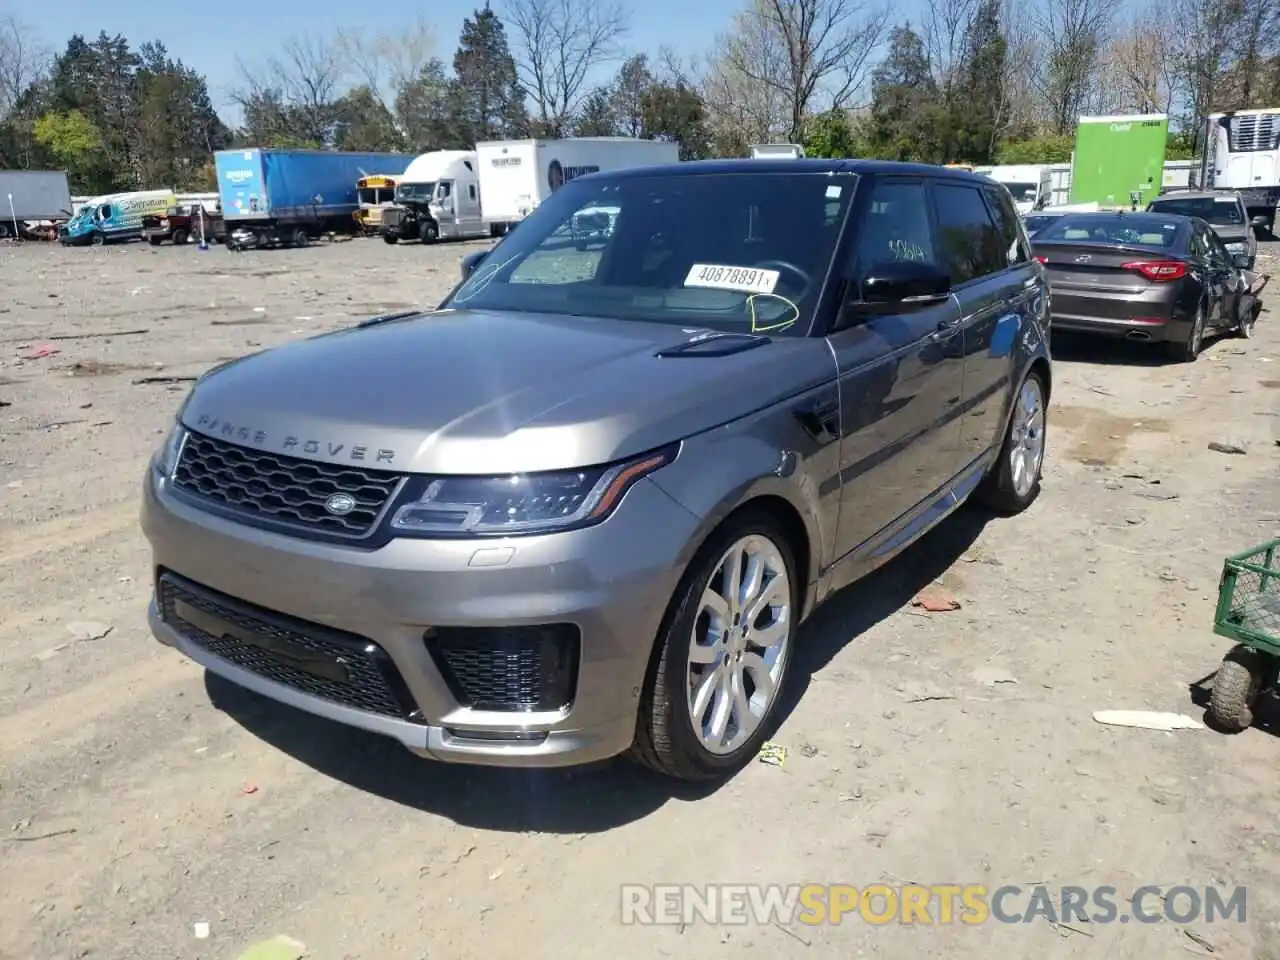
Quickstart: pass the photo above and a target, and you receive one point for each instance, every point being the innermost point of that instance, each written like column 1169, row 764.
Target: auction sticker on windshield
column 742, row 279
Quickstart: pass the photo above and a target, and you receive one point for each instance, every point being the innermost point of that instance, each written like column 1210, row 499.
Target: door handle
column 820, row 419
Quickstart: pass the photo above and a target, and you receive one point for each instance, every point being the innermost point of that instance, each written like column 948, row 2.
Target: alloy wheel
column 740, row 644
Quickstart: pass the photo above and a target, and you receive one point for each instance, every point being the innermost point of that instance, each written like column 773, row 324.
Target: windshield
column 1022, row 192
column 744, row 252
column 1144, row 230
column 1220, row 211
column 415, row 191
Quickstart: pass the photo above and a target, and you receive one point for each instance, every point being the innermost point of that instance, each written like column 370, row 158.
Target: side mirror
column 1240, row 261
column 1258, row 222
column 471, row 261
column 902, row 285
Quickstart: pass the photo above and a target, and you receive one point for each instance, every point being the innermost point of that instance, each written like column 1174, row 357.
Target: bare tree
column 305, row 80
column 557, row 44
column 827, row 44
column 1140, row 69
column 944, row 31
column 1074, row 34
column 1203, row 50
column 23, row 60
column 743, row 108
column 387, row 62
column 1019, row 107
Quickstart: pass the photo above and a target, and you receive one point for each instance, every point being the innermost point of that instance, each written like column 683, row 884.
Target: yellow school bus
column 374, row 194
column 959, row 166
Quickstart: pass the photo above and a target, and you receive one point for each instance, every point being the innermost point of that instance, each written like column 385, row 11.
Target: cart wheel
column 1235, row 688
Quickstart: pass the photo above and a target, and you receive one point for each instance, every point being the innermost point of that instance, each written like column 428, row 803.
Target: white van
column 1030, row 184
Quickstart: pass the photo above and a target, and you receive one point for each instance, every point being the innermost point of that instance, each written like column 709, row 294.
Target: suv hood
column 472, row 392
column 1233, row 234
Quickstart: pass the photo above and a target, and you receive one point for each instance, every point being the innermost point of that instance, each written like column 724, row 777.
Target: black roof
column 789, row 165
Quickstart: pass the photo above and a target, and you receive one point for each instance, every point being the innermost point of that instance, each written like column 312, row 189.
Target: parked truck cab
column 437, row 197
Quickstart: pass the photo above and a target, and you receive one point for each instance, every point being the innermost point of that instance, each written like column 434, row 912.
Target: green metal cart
column 1248, row 613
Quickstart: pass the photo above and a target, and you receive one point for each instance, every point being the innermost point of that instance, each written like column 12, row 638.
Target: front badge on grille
column 340, row 504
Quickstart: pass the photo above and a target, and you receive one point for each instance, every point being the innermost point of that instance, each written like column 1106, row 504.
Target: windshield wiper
column 387, row 318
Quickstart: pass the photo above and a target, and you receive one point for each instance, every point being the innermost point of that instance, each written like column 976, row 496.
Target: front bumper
column 613, row 582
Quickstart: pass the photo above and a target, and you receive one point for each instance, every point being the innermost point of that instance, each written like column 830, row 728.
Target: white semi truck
column 1242, row 154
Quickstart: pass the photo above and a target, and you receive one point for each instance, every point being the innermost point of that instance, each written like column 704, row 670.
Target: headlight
column 523, row 503
column 166, row 458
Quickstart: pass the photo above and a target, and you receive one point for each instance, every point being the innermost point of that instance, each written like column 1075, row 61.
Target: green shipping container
column 1116, row 157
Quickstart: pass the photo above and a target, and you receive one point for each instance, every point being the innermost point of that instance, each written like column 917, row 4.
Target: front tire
column 389, row 238
column 723, row 654
column 1247, row 321
column 428, row 232
column 1013, row 482
column 179, row 237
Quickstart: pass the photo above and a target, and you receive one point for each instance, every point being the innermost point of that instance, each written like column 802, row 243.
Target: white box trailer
column 32, row 196
column 517, row 175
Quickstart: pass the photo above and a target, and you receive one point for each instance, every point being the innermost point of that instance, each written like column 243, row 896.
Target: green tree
column 830, row 135
column 907, row 116
column 364, row 124
column 634, row 81
column 73, row 140
column 488, row 102
column 975, row 129
column 675, row 111
column 1050, row 148
column 596, row 118
column 425, row 106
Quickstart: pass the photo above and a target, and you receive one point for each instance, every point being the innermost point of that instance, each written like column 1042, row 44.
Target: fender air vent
column 715, row 345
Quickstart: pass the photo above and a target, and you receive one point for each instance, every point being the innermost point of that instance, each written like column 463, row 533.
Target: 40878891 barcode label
column 721, row 277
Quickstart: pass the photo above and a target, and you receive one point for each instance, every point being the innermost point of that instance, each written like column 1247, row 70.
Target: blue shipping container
column 258, row 184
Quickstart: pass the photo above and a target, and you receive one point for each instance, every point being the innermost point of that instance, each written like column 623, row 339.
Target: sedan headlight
column 523, row 503
column 166, row 458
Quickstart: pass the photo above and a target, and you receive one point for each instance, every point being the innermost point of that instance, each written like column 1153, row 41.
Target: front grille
column 512, row 669
column 283, row 490
column 332, row 665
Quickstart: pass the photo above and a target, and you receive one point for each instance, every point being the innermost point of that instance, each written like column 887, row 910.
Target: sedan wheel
column 723, row 656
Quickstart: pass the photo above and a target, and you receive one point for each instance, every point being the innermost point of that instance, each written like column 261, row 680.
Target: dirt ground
column 139, row 798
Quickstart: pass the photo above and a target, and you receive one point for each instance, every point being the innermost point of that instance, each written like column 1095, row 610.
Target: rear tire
column 1188, row 351
column 666, row 739
column 1235, row 689
column 1013, row 482
column 299, row 238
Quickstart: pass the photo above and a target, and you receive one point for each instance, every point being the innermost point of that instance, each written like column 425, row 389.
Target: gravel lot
column 139, row 798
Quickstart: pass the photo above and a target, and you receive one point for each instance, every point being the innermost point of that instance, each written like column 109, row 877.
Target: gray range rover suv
column 582, row 507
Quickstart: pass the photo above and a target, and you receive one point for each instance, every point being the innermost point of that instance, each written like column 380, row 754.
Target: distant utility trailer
column 773, row 151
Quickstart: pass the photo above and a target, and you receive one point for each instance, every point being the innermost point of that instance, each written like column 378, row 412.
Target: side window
column 971, row 245
column 1006, row 218
column 471, row 191
column 896, row 227
column 1199, row 248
